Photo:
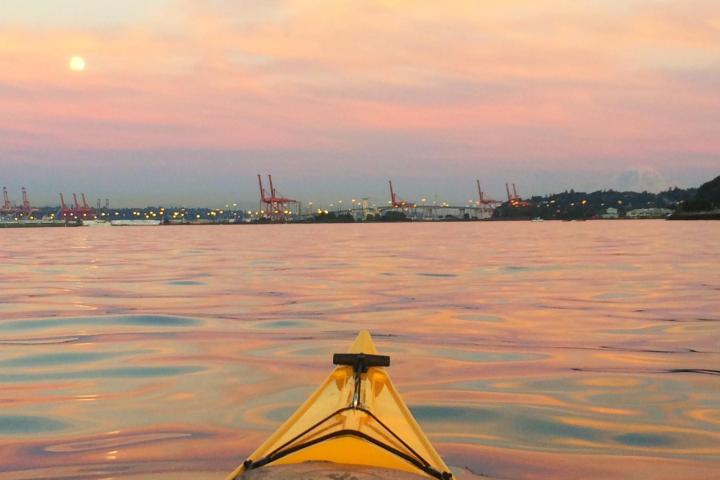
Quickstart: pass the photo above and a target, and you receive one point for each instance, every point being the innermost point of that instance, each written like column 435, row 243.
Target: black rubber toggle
column 361, row 361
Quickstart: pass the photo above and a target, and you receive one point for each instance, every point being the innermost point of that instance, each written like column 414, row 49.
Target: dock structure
column 402, row 209
column 440, row 212
column 277, row 208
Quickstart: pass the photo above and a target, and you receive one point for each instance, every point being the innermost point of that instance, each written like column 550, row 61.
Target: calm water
column 526, row 350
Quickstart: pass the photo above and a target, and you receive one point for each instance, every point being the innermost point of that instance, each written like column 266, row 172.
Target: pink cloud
column 510, row 78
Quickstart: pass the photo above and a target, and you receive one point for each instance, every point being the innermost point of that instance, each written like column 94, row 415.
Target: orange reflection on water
column 180, row 349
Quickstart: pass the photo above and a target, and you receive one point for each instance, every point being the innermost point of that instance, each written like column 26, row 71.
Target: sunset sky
column 185, row 101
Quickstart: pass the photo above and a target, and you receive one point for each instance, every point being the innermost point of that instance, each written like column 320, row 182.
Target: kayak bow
column 355, row 417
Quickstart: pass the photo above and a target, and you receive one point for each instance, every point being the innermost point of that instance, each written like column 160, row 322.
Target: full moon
column 77, row 63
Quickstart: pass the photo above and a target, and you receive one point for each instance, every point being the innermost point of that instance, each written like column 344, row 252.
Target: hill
column 706, row 199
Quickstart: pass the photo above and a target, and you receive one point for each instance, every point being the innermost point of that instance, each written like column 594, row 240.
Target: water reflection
column 23, row 425
column 173, row 352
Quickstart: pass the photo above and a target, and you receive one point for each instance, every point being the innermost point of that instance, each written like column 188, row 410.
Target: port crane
column 514, row 199
column 483, row 200
column 7, row 208
column 274, row 207
column 486, row 205
column 26, row 210
column 76, row 211
column 395, row 201
column 85, row 211
column 66, row 213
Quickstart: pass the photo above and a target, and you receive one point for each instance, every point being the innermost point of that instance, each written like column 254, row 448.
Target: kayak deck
column 356, row 417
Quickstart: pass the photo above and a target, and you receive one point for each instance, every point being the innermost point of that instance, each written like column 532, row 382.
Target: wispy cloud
column 557, row 82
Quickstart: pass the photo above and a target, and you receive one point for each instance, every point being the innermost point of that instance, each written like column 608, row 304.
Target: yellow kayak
column 355, row 417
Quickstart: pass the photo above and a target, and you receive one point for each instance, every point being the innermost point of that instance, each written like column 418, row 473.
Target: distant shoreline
column 675, row 217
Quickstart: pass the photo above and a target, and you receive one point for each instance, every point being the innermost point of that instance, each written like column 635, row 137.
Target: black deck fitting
column 361, row 361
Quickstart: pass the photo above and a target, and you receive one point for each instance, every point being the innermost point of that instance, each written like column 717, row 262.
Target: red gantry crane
column 85, row 211
column 274, row 207
column 395, row 201
column 7, row 208
column 76, row 211
column 66, row 213
column 486, row 205
column 26, row 210
column 514, row 199
column 483, row 200
column 76, row 206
